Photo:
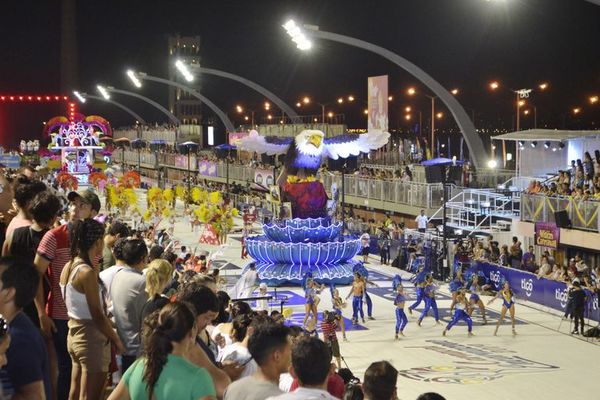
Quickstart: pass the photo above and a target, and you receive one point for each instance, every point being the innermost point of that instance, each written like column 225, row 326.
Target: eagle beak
column 315, row 140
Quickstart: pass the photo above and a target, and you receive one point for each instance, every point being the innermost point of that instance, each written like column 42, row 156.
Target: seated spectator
column 163, row 373
column 545, row 269
column 27, row 371
column 311, row 366
column 380, row 381
column 271, row 348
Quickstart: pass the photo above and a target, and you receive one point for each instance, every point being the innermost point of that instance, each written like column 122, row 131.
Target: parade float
column 76, row 139
column 311, row 242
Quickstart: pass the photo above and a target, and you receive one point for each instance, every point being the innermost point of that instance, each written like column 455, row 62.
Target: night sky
column 461, row 43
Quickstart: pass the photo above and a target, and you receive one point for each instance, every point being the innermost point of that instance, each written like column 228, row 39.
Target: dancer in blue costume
column 461, row 312
column 338, row 304
column 457, row 283
column 357, row 291
column 401, row 318
column 474, row 299
column 420, row 283
column 508, row 304
column 311, row 291
column 368, row 298
column 430, row 303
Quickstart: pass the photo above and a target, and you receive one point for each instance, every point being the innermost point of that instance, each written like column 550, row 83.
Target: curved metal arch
column 168, row 113
column 222, row 116
column 115, row 103
column 474, row 142
column 265, row 92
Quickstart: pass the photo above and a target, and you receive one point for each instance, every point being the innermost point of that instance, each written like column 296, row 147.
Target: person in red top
column 53, row 252
column 328, row 328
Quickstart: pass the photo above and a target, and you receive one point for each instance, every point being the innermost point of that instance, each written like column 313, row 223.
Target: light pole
column 136, row 76
column 119, row 105
column 301, row 37
column 153, row 103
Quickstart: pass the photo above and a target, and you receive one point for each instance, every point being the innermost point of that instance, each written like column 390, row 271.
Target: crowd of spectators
column 580, row 182
column 112, row 292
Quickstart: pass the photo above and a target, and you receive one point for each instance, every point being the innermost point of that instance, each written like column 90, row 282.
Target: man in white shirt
column 271, row 348
column 311, row 361
column 422, row 222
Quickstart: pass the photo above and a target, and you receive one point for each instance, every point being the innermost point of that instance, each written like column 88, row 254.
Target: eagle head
column 310, row 142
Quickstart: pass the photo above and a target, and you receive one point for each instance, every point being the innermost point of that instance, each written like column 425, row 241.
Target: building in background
column 185, row 107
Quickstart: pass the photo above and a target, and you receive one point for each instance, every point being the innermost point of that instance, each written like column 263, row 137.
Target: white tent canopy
column 546, row 151
column 550, row 135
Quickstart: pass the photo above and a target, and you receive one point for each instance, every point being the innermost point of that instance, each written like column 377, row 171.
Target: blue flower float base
column 291, row 248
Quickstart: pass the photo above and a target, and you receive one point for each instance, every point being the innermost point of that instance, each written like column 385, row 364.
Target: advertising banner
column 378, row 102
column 547, row 234
column 235, row 137
column 207, row 168
column 181, row 161
column 10, row 161
column 527, row 286
column 263, row 177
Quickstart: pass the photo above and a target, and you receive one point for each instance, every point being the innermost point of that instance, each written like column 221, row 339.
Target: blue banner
column 528, row 286
column 10, row 161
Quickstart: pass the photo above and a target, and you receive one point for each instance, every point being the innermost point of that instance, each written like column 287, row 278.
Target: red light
column 3, row 98
column 39, row 98
column 29, row 97
column 12, row 97
column 56, row 97
column 64, row 97
column 20, row 97
column 47, row 97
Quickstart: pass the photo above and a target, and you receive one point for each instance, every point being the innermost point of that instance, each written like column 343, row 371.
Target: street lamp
column 593, row 99
column 183, row 69
column 103, row 92
column 79, row 96
column 411, row 92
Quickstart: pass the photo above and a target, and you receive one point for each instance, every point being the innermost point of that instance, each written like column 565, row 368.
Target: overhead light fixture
column 521, row 143
column 134, row 78
column 103, row 91
column 181, row 67
column 546, row 145
column 533, row 144
column 561, row 145
column 79, row 96
column 297, row 35
column 492, row 164
column 554, row 148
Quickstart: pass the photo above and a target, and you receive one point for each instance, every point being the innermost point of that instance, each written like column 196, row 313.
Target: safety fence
column 583, row 214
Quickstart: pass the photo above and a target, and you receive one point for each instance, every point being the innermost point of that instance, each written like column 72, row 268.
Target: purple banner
column 207, row 168
column 547, row 234
column 181, row 161
column 528, row 286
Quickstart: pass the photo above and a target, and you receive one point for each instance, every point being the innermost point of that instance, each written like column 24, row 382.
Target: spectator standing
column 158, row 277
column 53, row 253
column 90, row 330
column 238, row 351
column 328, row 328
column 577, row 295
column 23, row 242
column 422, row 221
column 516, row 253
column 25, row 191
column 116, row 231
column 529, row 260
column 365, row 241
column 380, row 381
column 128, row 297
column 271, row 348
column 27, row 371
column 311, row 365
column 164, row 373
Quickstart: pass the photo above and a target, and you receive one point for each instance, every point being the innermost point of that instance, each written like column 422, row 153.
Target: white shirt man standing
column 422, row 221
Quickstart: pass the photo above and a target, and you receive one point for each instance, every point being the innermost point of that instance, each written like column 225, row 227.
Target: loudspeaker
column 433, row 174
column 351, row 164
column 562, row 219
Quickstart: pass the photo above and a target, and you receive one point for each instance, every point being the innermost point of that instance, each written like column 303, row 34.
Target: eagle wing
column 265, row 144
column 344, row 146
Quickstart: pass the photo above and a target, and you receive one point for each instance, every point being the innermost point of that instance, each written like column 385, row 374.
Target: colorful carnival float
column 310, row 242
column 77, row 139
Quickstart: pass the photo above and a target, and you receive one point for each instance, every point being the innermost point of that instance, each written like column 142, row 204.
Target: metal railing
column 583, row 214
column 425, row 195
